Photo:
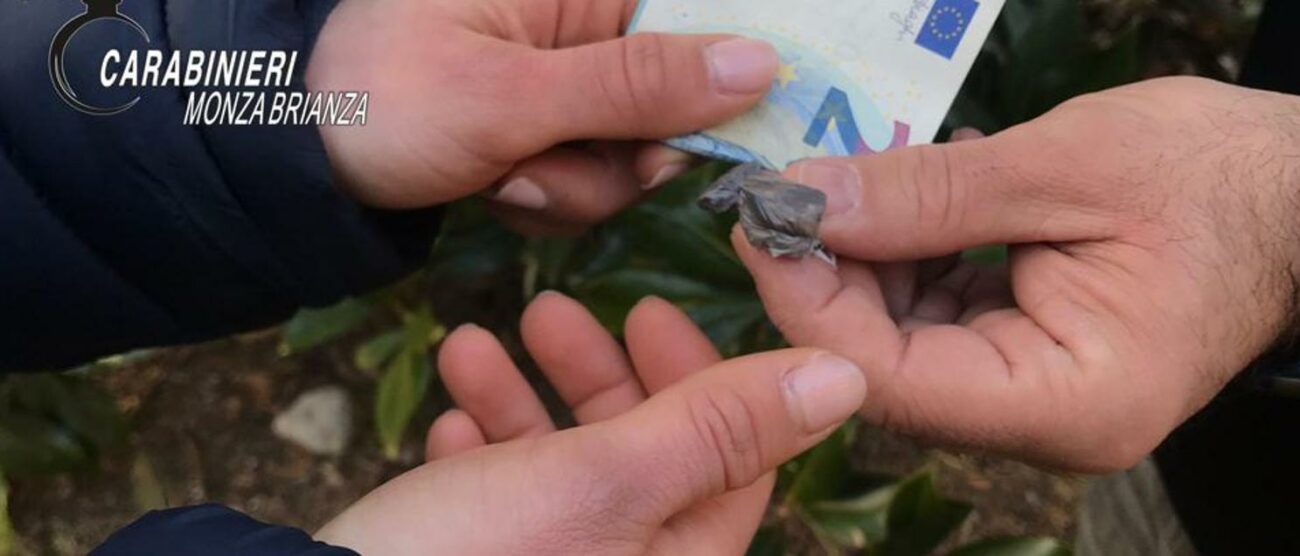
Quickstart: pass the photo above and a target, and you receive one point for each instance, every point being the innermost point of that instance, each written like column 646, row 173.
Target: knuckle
column 726, row 426
column 940, row 195
column 646, row 64
column 638, row 75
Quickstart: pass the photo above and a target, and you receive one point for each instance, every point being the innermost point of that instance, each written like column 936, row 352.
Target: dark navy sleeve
column 134, row 230
column 211, row 530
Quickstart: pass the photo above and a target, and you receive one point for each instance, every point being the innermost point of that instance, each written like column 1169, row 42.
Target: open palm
column 598, row 381
column 665, row 459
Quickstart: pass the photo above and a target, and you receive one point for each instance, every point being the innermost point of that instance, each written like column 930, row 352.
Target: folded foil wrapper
column 777, row 215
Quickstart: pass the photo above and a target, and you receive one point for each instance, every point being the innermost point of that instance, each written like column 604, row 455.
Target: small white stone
column 320, row 421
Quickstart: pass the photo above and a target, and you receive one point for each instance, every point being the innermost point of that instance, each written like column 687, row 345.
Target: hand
column 687, row 471
column 466, row 94
column 1154, row 235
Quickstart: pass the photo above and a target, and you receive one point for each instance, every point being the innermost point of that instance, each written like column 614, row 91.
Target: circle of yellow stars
column 934, row 22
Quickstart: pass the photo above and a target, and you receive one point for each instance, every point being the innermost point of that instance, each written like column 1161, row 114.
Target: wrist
column 1277, row 369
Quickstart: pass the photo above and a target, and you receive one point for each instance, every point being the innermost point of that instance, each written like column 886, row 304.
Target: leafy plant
column 313, row 327
column 51, row 423
column 665, row 247
column 406, row 376
column 852, row 512
column 399, row 355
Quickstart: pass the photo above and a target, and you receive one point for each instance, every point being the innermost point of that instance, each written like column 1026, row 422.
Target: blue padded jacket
column 133, row 230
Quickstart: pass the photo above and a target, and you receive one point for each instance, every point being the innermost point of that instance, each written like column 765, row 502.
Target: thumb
column 725, row 427
column 934, row 200
column 652, row 85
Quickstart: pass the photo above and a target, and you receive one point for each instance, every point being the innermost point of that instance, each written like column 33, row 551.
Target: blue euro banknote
column 856, row 76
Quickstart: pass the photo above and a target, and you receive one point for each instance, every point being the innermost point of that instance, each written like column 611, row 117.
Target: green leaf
column 146, row 489
column 1014, row 546
column 73, row 402
column 990, row 255
column 632, row 285
column 919, row 518
column 545, row 262
column 822, row 471
column 611, row 296
column 472, row 244
column 406, row 378
column 857, row 517
column 768, row 541
column 687, row 241
column 32, row 446
column 855, row 523
column 399, row 394
column 8, row 538
column 421, row 329
column 378, row 350
column 313, row 327
column 602, row 253
column 683, row 191
column 728, row 320
column 93, row 415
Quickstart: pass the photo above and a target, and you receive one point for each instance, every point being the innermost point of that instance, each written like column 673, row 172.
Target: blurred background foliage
column 1041, row 53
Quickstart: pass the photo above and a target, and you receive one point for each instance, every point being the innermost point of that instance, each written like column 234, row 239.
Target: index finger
column 990, row 386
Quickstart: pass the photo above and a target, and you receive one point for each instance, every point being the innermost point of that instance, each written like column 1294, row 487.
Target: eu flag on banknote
column 946, row 25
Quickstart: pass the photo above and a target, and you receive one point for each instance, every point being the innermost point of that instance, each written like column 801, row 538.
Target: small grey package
column 777, row 215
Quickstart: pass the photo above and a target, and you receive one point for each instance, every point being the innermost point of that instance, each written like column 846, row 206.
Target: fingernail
column 965, row 134
column 741, row 66
column 522, row 192
column 666, row 174
column 824, row 391
column 840, row 182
